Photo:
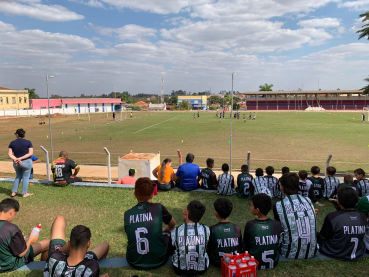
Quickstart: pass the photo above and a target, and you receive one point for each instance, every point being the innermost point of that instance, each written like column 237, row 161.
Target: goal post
column 366, row 112
column 126, row 112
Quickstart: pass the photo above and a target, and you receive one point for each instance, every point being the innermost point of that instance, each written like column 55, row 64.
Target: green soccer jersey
column 243, row 185
column 225, row 237
column 143, row 224
column 363, row 206
column 208, row 179
column 261, row 239
column 318, row 186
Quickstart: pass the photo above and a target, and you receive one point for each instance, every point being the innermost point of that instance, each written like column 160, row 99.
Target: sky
column 97, row 46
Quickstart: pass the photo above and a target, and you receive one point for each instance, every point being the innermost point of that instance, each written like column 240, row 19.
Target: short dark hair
column 285, row 169
column 259, row 172
column 262, row 202
column 223, row 207
column 269, row 170
column 303, row 174
column 244, row 168
column 347, row 197
column 209, row 161
column 195, row 210
column 190, row 157
column 131, row 171
column 225, row 167
column 331, row 170
column 144, row 188
column 315, row 170
column 360, row 171
column 20, row 132
column 290, row 183
column 79, row 237
column 7, row 204
column 348, row 178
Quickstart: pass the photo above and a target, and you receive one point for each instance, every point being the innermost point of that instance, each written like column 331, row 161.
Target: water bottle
column 35, row 230
column 253, row 263
column 242, row 265
column 227, row 259
column 247, row 256
column 238, row 262
column 232, row 269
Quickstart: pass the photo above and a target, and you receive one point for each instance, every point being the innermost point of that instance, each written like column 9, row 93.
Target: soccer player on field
column 225, row 237
column 361, row 183
column 363, row 206
column 220, row 117
column 343, row 231
column 225, row 182
column 208, row 177
column 280, row 194
column 306, row 186
column 73, row 258
column 244, row 118
column 148, row 243
column 297, row 216
column 271, row 180
column 190, row 241
column 261, row 236
column 259, row 183
column 318, row 183
column 244, row 183
column 330, row 183
column 250, row 115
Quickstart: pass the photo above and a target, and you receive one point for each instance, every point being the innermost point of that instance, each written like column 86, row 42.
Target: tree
column 55, row 96
column 265, row 87
column 32, row 94
column 365, row 31
column 366, row 88
column 215, row 99
column 184, row 105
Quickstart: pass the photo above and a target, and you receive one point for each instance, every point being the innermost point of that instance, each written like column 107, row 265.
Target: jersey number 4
column 142, row 243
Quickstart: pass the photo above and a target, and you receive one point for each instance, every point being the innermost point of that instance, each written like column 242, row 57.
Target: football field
column 295, row 139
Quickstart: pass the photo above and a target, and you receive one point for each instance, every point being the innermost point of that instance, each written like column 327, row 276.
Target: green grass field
column 102, row 209
column 298, row 140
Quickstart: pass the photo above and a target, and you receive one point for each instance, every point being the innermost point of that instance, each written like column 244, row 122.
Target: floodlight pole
column 48, row 106
column 230, row 168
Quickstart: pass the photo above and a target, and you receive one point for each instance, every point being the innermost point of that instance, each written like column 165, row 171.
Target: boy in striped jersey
column 271, row 180
column 225, row 237
column 190, row 241
column 259, row 184
column 225, row 182
column 298, row 218
column 72, row 258
column 361, row 183
column 318, row 183
column 306, row 186
column 244, row 183
column 280, row 194
column 363, row 206
column 330, row 183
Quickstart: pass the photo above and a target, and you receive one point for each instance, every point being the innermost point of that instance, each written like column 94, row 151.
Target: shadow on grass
column 5, row 191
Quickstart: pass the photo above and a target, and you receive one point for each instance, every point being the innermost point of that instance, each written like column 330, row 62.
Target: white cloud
column 328, row 22
column 34, row 9
column 91, row 3
column 358, row 25
column 128, row 32
column 359, row 5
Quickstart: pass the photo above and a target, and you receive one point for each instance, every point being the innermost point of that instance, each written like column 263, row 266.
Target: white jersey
column 225, row 183
column 330, row 185
column 261, row 186
column 363, row 187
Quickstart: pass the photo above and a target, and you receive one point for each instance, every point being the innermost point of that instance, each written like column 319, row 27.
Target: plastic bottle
column 227, row 259
column 35, row 230
column 232, row 269
column 242, row 265
column 253, row 263
column 238, row 262
column 247, row 256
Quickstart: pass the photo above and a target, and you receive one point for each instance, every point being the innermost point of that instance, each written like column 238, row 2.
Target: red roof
column 4, row 88
column 141, row 103
column 91, row 101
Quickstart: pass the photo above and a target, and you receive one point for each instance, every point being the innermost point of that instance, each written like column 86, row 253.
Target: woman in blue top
column 20, row 151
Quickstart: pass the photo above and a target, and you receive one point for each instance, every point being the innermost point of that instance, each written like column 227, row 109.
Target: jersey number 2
column 142, row 241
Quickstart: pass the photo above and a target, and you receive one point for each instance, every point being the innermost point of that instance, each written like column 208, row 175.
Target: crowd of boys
column 192, row 245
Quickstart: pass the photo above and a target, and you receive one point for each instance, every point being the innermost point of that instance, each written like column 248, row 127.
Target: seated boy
column 14, row 250
column 363, row 206
column 261, row 236
column 259, row 184
column 343, row 231
column 244, row 183
column 330, row 183
column 271, row 180
column 225, row 182
column 72, row 258
column 208, row 177
column 148, row 243
column 280, row 194
column 318, row 183
column 225, row 237
column 361, row 183
column 190, row 241
column 297, row 216
column 306, row 186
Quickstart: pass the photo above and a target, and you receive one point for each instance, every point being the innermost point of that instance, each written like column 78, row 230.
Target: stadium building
column 196, row 101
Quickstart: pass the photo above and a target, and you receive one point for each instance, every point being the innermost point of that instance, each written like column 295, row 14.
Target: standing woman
column 165, row 175
column 20, row 151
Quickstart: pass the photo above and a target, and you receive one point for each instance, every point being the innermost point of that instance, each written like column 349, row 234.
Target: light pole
column 230, row 168
column 48, row 106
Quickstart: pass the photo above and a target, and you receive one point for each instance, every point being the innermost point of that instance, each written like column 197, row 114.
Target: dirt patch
column 138, row 156
column 55, row 115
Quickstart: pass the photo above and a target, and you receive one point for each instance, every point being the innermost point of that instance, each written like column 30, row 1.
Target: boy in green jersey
column 363, row 206
column 148, row 243
column 261, row 236
column 225, row 237
column 318, row 182
column 208, row 177
column 244, row 183
column 348, row 181
column 361, row 183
